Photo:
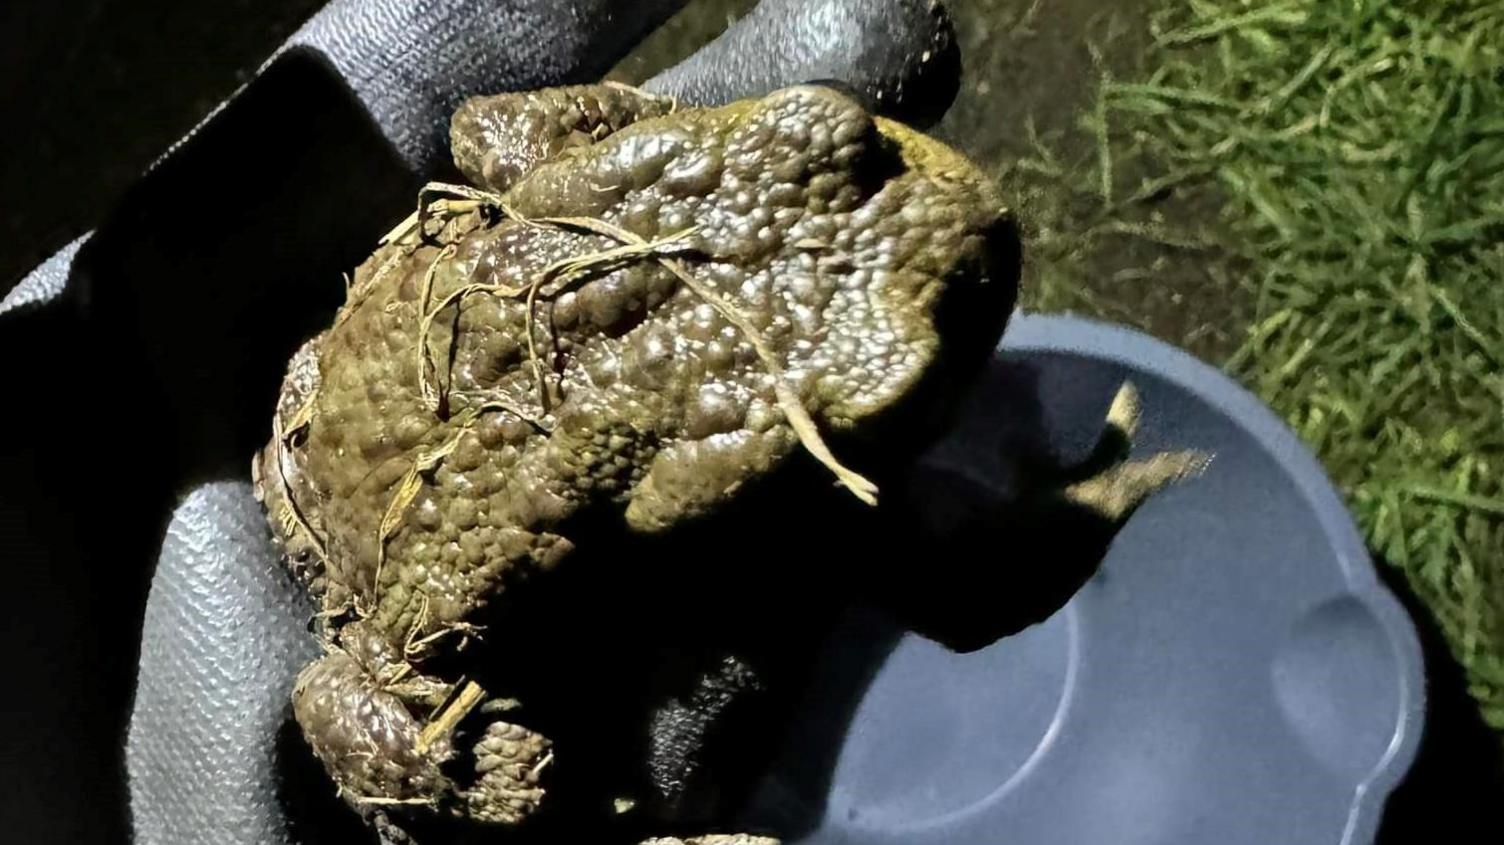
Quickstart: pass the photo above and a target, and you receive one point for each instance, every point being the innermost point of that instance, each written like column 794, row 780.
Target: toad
column 636, row 310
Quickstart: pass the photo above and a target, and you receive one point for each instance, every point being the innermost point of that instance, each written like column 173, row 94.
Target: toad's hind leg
column 1114, row 485
column 497, row 139
column 367, row 737
column 374, row 731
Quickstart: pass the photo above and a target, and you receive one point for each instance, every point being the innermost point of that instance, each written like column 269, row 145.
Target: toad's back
column 452, row 419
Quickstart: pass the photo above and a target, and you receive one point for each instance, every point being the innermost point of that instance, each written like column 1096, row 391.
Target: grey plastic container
column 1233, row 673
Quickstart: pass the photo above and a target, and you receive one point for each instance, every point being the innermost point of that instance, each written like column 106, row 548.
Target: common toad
column 638, row 309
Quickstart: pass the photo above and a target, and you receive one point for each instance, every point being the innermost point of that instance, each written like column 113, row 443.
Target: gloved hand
column 187, row 366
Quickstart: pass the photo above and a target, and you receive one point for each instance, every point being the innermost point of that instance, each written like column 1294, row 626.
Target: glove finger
column 411, row 63
column 224, row 636
column 898, row 55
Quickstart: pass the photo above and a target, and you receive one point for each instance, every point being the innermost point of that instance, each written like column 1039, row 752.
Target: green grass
column 1336, row 166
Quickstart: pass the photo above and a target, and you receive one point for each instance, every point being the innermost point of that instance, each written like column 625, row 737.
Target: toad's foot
column 1115, row 490
column 1119, row 490
column 510, row 762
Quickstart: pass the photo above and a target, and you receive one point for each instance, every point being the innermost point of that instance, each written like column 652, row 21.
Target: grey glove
column 207, row 755
column 223, row 638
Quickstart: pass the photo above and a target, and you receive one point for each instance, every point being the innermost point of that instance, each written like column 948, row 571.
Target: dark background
column 93, row 91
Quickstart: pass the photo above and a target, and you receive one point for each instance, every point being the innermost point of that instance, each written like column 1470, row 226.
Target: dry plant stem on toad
column 469, row 697
column 415, row 643
column 564, row 273
column 431, row 396
column 378, row 801
column 634, row 247
column 412, row 482
column 291, row 513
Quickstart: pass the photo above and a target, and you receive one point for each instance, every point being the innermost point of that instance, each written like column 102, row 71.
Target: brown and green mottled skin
column 839, row 235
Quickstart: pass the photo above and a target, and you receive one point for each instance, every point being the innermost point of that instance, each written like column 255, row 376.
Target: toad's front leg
column 388, row 763
column 387, row 735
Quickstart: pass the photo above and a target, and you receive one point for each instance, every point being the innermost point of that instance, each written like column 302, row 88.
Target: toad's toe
column 510, row 761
